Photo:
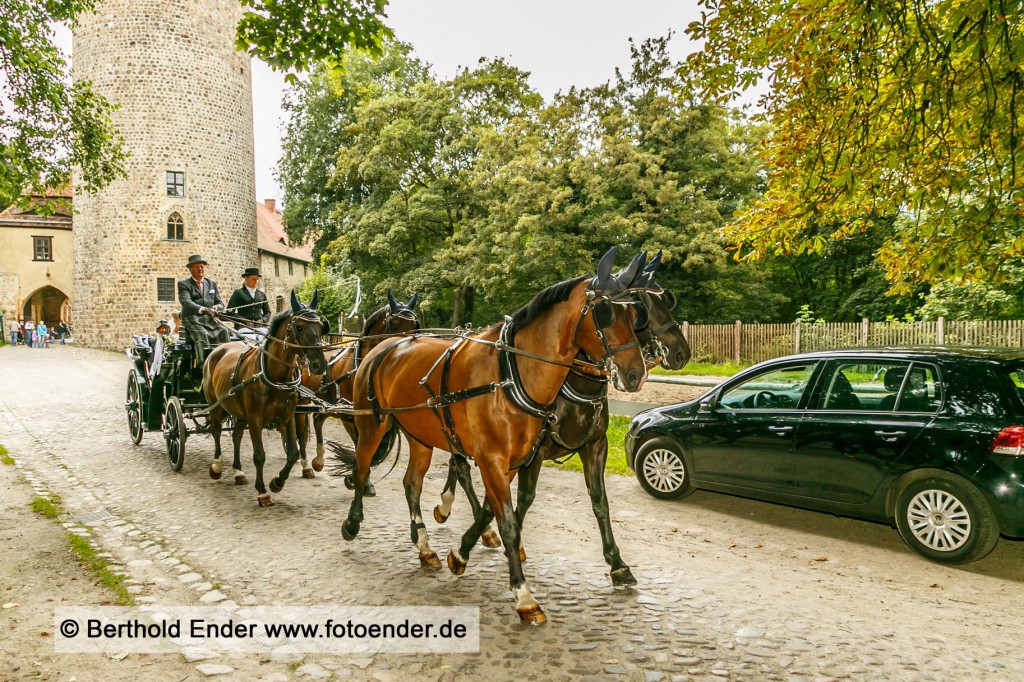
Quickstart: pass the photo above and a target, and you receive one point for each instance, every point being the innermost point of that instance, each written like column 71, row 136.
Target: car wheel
column 661, row 469
column 944, row 518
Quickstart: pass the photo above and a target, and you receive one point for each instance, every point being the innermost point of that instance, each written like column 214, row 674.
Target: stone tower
column 184, row 97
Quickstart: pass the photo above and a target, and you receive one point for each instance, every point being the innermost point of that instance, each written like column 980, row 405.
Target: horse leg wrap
column 413, row 527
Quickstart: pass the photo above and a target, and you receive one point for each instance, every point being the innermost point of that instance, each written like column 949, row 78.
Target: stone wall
column 9, row 296
column 185, row 104
column 277, row 282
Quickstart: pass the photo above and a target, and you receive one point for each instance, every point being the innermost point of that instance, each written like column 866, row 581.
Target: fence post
column 686, row 331
column 796, row 336
column 864, row 331
column 940, row 330
column 736, row 342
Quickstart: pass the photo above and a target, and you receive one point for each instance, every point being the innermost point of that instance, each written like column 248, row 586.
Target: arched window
column 175, row 227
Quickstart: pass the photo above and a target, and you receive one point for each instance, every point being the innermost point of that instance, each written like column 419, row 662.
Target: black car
column 930, row 439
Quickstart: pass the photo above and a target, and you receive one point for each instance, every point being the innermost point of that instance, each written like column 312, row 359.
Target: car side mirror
column 707, row 405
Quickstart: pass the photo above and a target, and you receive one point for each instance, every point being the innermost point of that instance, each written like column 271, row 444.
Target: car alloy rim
column 939, row 520
column 664, row 471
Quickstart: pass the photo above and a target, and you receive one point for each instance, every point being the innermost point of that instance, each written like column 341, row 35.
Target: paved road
column 729, row 588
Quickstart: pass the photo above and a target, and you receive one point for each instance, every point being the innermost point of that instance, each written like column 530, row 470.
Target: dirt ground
column 38, row 572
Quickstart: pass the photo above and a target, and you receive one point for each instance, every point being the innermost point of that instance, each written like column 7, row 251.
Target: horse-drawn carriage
column 165, row 391
column 530, row 388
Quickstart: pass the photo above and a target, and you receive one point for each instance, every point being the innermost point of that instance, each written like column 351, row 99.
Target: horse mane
column 277, row 320
column 554, row 294
column 374, row 318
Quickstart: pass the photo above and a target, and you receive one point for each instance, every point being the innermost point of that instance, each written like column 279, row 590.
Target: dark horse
column 258, row 387
column 582, row 410
column 489, row 396
column 335, row 385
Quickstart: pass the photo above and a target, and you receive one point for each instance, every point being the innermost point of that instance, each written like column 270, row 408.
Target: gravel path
column 729, row 588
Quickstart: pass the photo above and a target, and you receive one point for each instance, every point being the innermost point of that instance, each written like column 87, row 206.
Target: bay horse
column 488, row 396
column 581, row 428
column 335, row 385
column 257, row 386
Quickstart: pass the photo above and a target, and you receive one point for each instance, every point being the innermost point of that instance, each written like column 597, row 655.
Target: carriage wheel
column 175, row 433
column 133, row 406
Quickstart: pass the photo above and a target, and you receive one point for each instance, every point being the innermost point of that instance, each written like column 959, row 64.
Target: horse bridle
column 602, row 320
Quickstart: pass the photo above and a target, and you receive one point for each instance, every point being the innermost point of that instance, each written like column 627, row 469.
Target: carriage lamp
column 164, row 327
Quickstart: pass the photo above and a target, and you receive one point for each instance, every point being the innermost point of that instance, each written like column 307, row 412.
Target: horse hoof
column 347, row 533
column 274, row 486
column 430, row 560
column 532, row 614
column 214, row 474
column 439, row 516
column 490, row 539
column 623, row 577
column 240, row 479
column 455, row 564
column 318, row 464
column 265, row 500
column 369, row 490
column 308, row 473
column 522, row 555
column 348, row 482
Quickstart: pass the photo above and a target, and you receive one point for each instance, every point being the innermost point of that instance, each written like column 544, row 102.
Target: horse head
column 306, row 328
column 660, row 333
column 613, row 339
column 399, row 317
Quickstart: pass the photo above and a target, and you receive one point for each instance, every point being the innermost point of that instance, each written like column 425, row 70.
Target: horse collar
column 512, row 381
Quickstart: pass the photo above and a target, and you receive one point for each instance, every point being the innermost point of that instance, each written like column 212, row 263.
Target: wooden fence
column 756, row 342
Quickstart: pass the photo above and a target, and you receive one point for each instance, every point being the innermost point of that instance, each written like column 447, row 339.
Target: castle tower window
column 290, row 270
column 175, row 227
column 42, row 248
column 175, row 183
column 165, row 289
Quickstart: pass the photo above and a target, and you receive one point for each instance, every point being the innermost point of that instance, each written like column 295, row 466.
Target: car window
column 774, row 389
column 922, row 391
column 872, row 385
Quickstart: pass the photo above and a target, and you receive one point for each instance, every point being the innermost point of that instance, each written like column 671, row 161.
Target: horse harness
column 511, row 380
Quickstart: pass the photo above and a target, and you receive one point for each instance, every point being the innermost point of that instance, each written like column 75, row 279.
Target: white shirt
column 252, row 292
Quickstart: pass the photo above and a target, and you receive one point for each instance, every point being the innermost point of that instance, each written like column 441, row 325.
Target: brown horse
column 394, row 319
column 582, row 410
column 491, row 396
column 258, row 388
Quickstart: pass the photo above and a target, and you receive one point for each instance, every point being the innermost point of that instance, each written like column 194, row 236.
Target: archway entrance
column 48, row 304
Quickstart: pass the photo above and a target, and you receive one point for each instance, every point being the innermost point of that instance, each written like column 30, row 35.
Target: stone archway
column 47, row 304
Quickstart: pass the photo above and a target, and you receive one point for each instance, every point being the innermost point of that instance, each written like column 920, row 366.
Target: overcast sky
column 560, row 42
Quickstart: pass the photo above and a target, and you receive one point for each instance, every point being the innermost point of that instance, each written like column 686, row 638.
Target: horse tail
column 344, row 457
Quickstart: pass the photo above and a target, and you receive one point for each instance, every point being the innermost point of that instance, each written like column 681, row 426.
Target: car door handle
column 890, row 436
column 780, row 430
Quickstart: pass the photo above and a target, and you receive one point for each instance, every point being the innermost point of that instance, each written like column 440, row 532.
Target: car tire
column 946, row 519
column 662, row 470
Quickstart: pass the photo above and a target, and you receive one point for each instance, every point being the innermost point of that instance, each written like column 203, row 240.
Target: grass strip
column 4, row 457
column 618, row 425
column 51, row 508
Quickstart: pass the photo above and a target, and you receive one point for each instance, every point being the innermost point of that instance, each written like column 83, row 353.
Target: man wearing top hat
column 249, row 302
column 200, row 300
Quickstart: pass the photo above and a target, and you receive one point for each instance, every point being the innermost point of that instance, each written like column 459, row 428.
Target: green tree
column 48, row 125
column 298, row 34
column 879, row 109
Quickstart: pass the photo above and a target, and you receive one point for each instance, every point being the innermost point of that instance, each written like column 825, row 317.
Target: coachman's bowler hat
column 195, row 258
column 249, row 272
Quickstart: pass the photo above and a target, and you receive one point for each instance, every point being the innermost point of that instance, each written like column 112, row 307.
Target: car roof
column 989, row 353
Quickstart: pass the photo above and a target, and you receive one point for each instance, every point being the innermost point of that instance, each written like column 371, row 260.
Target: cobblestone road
column 729, row 588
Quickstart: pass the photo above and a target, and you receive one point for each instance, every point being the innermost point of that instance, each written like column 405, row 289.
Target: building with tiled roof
column 37, row 258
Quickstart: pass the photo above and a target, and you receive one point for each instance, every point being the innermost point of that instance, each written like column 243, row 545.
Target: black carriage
column 164, row 390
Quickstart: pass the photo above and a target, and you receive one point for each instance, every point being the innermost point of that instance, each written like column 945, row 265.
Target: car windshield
column 1016, row 375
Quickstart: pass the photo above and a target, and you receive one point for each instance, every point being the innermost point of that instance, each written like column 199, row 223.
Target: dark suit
column 254, row 308
column 203, row 330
